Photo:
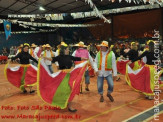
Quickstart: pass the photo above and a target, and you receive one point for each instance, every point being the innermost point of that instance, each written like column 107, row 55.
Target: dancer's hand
column 57, row 67
column 9, row 60
column 46, row 58
column 84, row 59
column 129, row 63
column 114, row 78
column 97, row 73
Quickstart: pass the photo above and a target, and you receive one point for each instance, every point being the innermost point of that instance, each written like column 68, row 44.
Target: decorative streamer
column 79, row 15
column 26, row 32
column 98, row 13
column 55, row 25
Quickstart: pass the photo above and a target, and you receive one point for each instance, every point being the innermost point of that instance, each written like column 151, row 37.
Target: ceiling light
column 41, row 8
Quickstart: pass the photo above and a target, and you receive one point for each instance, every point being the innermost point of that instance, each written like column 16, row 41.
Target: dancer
column 65, row 62
column 133, row 53
column 105, row 63
column 81, row 52
column 25, row 75
column 31, row 52
column 146, row 81
column 129, row 55
column 37, row 51
column 117, row 54
column 48, row 53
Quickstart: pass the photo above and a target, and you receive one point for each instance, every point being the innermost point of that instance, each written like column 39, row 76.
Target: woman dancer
column 26, row 75
column 150, row 56
column 65, row 62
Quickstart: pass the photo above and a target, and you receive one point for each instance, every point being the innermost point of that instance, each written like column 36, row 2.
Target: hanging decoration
column 79, row 15
column 26, row 32
column 7, row 28
column 26, row 24
column 98, row 13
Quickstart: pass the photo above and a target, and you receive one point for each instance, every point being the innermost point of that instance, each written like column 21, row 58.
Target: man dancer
column 105, row 63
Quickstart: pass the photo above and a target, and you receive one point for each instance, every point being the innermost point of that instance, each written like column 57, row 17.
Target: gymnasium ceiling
column 56, row 6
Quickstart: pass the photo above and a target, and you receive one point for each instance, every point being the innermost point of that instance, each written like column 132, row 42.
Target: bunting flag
column 143, row 79
column 21, row 76
column 7, row 28
column 59, row 88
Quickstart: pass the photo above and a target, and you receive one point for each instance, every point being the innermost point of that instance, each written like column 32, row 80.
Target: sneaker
column 110, row 97
column 146, row 96
column 25, row 91
column 87, row 89
column 33, row 91
column 118, row 79
column 81, row 92
column 72, row 110
column 150, row 98
column 101, row 99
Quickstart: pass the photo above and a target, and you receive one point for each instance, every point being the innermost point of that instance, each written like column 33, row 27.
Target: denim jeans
column 87, row 77
column 100, row 82
column 50, row 68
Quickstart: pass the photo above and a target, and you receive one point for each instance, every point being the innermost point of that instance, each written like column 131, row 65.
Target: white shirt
column 48, row 55
column 35, row 52
column 57, row 52
column 17, row 52
column 90, row 60
column 102, row 72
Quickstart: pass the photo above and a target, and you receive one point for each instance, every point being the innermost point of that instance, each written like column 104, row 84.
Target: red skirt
column 21, row 76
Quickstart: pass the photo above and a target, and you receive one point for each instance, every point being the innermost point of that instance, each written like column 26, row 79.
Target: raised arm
column 33, row 59
column 17, row 56
column 141, row 56
column 76, row 58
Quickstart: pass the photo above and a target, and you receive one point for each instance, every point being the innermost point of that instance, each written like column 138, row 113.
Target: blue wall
column 37, row 38
column 70, row 35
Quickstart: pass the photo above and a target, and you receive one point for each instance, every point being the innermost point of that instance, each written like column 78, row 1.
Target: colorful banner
column 7, row 28
column 59, row 88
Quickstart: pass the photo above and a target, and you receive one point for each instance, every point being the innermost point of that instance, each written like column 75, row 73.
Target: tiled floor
column 127, row 103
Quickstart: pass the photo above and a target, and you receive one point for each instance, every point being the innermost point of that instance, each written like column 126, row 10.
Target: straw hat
column 133, row 43
column 64, row 44
column 20, row 46
column 149, row 41
column 26, row 44
column 80, row 44
column 104, row 44
column 33, row 45
column 47, row 45
column 111, row 46
column 43, row 46
column 58, row 46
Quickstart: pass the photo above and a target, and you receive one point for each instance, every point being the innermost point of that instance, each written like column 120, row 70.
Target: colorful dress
column 59, row 88
column 23, row 75
column 145, row 79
